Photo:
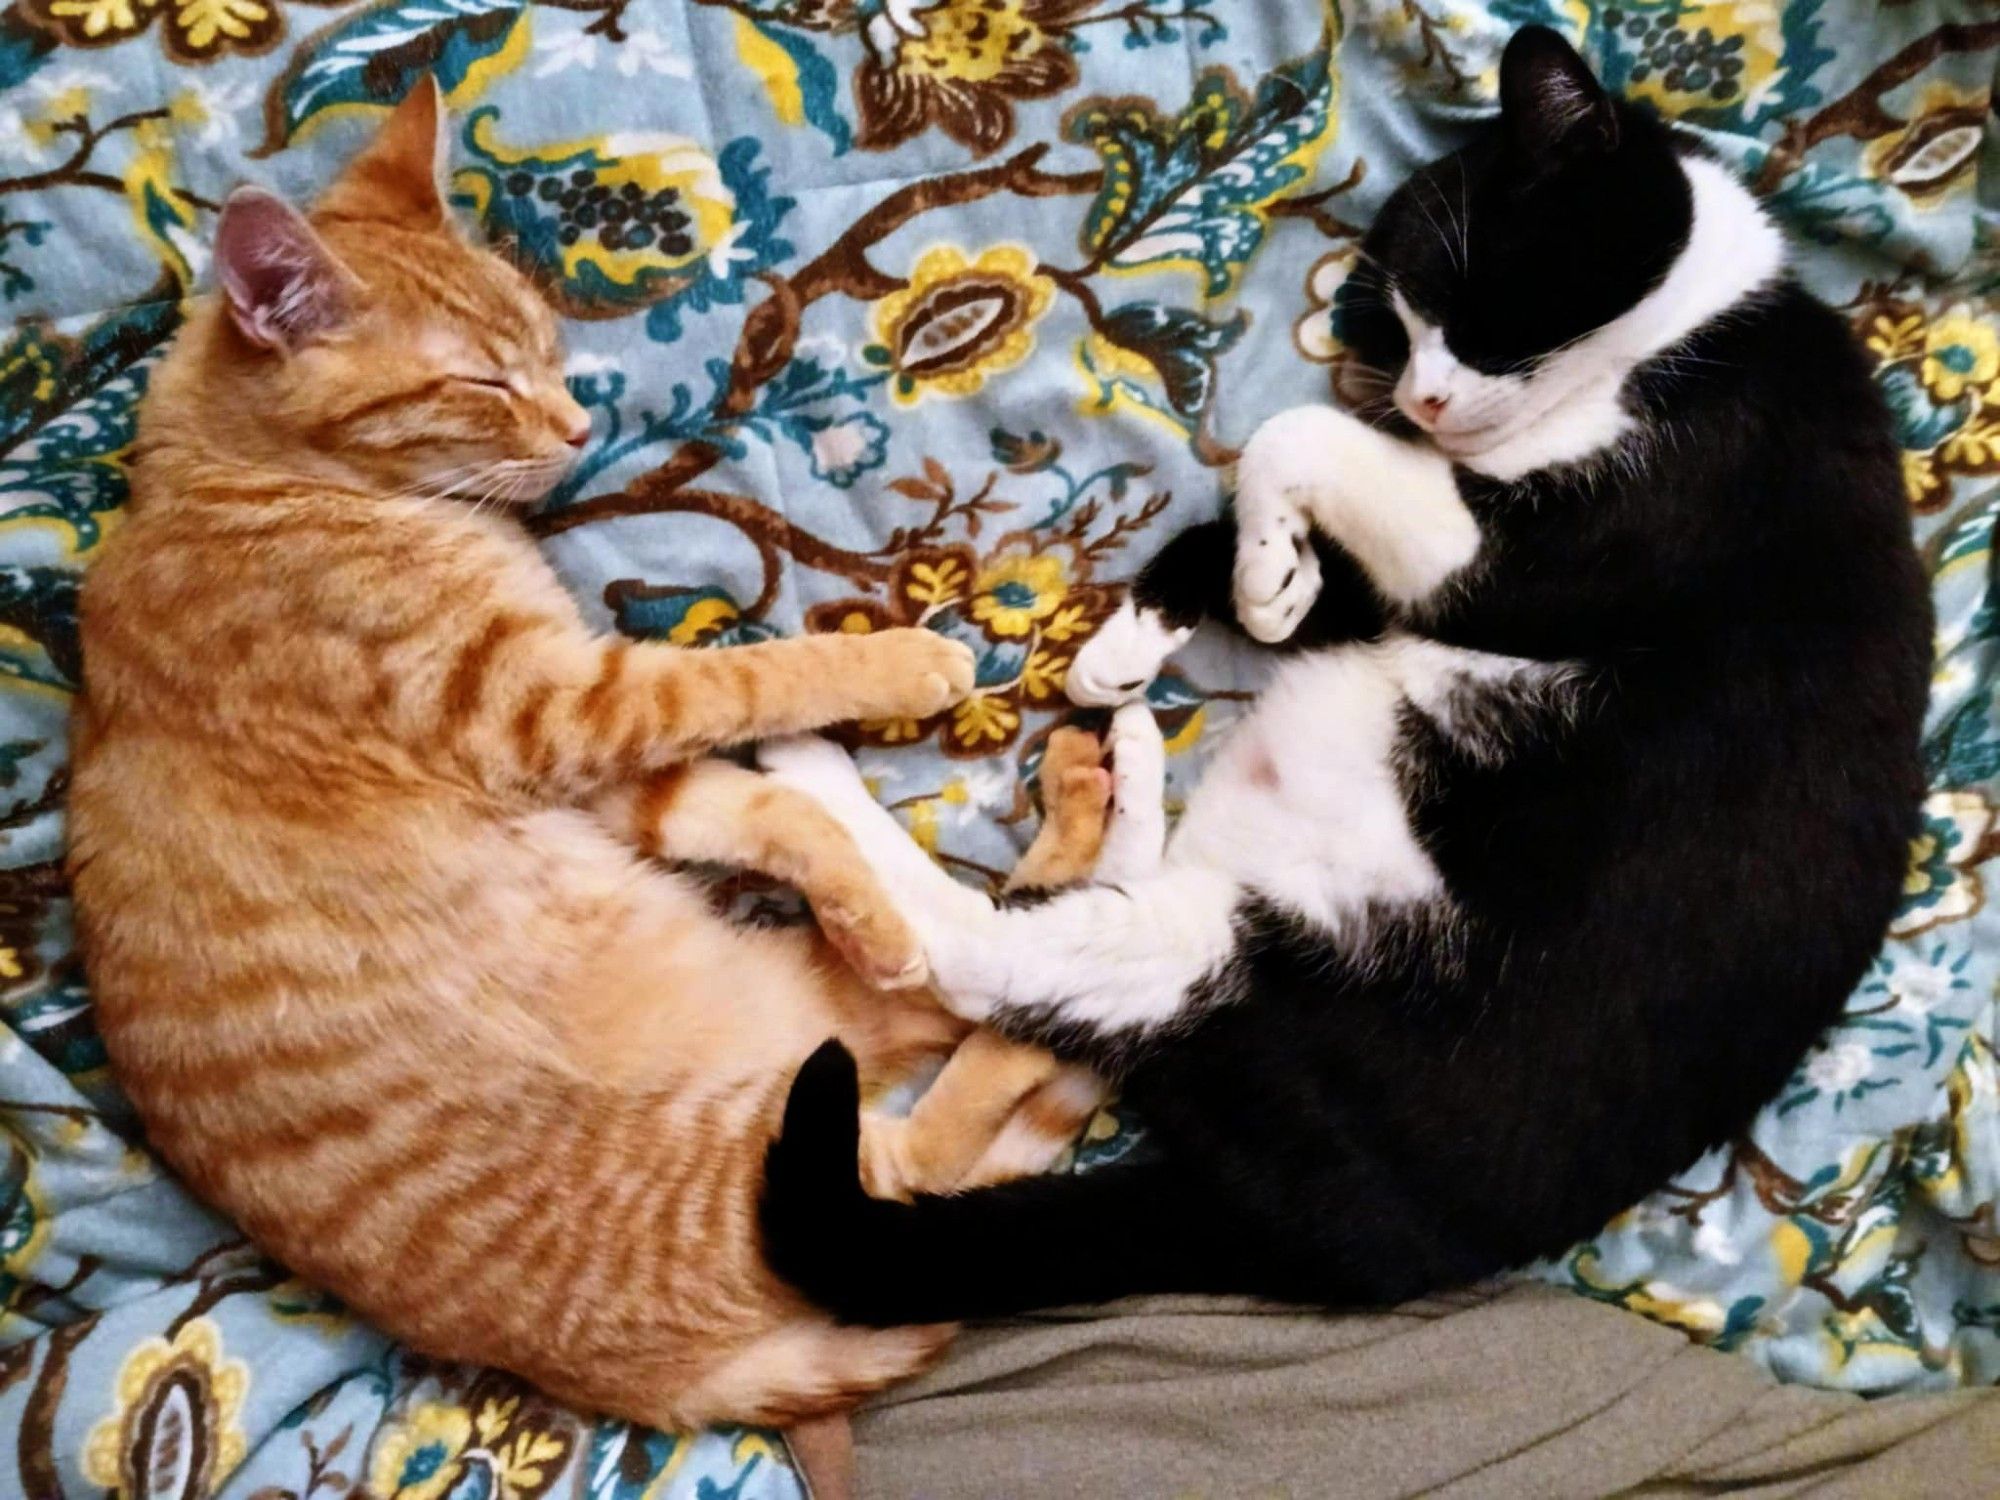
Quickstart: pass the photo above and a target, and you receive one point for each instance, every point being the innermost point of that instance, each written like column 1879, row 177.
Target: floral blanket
column 942, row 312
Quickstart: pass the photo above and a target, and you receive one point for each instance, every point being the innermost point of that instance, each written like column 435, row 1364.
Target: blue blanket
column 957, row 312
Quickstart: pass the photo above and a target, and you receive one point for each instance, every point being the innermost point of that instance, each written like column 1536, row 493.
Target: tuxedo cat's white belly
column 1303, row 804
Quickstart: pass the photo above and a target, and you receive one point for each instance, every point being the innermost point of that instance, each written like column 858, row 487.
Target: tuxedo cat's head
column 1552, row 252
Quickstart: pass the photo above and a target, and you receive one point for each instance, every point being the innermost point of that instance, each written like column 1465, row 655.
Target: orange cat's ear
column 397, row 178
column 282, row 285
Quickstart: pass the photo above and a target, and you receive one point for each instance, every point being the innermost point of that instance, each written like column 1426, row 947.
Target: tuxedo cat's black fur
column 1657, row 886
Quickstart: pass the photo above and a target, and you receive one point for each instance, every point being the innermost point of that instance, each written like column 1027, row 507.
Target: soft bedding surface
column 944, row 313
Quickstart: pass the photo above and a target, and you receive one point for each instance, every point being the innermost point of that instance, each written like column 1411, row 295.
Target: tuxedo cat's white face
column 1464, row 410
column 1504, row 291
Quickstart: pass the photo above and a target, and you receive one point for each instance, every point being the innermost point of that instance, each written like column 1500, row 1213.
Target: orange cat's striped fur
column 358, row 818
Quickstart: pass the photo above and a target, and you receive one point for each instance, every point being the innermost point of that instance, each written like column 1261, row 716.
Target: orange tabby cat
column 357, row 821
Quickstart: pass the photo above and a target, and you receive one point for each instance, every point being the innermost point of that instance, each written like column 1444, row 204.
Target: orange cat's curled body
column 360, row 824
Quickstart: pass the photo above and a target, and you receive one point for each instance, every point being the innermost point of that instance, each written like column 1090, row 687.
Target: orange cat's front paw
column 876, row 942
column 911, row 673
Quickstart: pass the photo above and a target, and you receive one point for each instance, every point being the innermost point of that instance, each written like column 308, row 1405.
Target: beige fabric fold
column 1497, row 1392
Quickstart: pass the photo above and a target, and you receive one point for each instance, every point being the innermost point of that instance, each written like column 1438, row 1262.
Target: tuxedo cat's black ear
column 1550, row 102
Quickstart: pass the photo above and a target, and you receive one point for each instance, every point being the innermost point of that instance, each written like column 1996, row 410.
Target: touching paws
column 876, row 942
column 1277, row 576
column 1127, row 652
column 911, row 673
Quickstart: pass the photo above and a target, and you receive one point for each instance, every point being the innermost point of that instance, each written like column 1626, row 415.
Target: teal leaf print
column 23, row 48
column 40, row 604
column 30, row 232
column 372, row 58
column 67, row 410
column 1965, row 748
column 1194, row 190
column 817, row 82
column 682, row 616
column 1181, row 344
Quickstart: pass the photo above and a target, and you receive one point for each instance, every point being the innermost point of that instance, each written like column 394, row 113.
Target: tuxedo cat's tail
column 1039, row 1242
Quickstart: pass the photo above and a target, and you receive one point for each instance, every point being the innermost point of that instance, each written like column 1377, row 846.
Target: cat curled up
column 1578, row 801
column 359, row 823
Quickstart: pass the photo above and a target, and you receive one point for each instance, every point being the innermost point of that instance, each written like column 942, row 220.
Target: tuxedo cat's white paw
column 815, row 766
column 1135, row 838
column 1277, row 577
column 1125, row 654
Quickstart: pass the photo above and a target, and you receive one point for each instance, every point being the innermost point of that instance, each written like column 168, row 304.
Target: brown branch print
column 75, row 172
column 770, row 333
column 768, row 530
column 1859, row 112
column 1312, row 206
column 34, row 1451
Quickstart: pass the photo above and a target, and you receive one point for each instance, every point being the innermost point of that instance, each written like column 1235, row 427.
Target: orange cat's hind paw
column 877, row 944
column 1076, row 785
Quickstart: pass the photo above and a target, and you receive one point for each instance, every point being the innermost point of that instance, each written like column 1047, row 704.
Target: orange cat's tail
column 809, row 1368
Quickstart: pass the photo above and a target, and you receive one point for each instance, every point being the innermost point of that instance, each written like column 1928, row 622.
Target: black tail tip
column 822, row 1126
column 812, row 1171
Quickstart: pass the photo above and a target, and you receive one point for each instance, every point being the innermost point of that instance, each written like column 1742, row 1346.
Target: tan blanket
column 1520, row 1391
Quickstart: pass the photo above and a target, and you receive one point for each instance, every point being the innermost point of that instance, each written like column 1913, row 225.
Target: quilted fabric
column 891, row 312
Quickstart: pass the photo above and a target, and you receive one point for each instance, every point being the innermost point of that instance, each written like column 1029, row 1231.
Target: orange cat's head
column 370, row 343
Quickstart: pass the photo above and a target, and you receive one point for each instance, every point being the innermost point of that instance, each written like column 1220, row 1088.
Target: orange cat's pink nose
column 579, row 434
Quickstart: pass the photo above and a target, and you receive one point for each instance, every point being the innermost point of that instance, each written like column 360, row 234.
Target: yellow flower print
column 959, row 321
column 1959, row 352
column 1043, row 675
column 937, row 583
column 1932, row 158
column 66, row 105
column 924, row 824
column 1016, row 590
column 523, row 1457
column 1892, row 337
column 203, row 22
column 961, row 70
column 188, row 109
column 10, row 964
column 984, row 717
column 420, row 1457
column 1923, row 849
column 97, row 18
column 1920, row 478
column 193, row 30
column 1069, row 622
column 179, row 1412
column 1974, row 447
column 893, row 731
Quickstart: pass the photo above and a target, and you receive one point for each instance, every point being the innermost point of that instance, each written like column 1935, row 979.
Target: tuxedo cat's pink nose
column 1430, row 408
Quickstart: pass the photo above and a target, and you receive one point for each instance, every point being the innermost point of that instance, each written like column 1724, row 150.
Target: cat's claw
column 1123, row 657
column 1277, row 578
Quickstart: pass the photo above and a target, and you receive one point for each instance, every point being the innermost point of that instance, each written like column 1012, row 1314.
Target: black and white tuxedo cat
column 1576, row 809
